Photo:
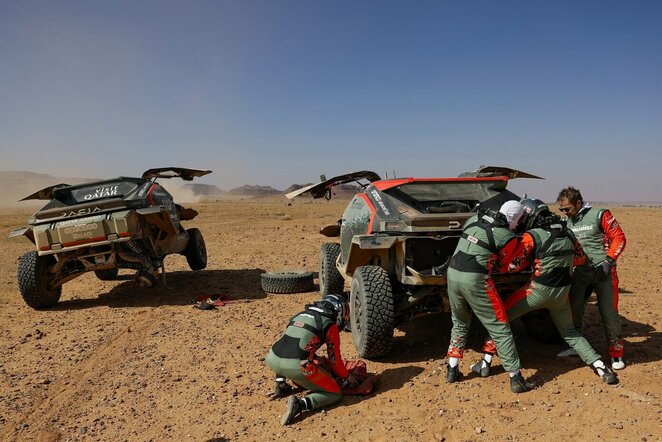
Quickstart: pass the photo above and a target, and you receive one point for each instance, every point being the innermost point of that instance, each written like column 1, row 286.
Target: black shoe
column 481, row 367
column 519, row 385
column 294, row 408
column 608, row 376
column 282, row 389
column 453, row 374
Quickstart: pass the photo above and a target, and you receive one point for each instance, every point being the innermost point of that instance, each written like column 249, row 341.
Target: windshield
column 447, row 196
column 443, row 191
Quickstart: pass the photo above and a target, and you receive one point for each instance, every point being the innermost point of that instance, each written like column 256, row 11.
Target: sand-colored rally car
column 104, row 226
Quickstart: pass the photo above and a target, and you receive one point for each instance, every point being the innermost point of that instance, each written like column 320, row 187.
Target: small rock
column 479, row 430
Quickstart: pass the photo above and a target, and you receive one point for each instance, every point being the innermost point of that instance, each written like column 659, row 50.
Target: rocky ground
column 114, row 361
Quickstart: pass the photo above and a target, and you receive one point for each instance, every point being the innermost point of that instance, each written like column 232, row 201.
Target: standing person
column 294, row 356
column 487, row 240
column 552, row 250
column 603, row 242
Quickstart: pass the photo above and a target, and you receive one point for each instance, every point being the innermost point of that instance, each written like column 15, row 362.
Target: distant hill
column 254, row 191
column 294, row 187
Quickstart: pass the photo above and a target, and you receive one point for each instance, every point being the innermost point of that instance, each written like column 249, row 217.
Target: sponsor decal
column 144, row 188
column 91, row 219
column 102, row 192
column 472, row 239
column 81, row 228
column 298, row 324
column 79, row 212
column 454, row 225
column 380, row 203
column 83, row 235
column 581, row 228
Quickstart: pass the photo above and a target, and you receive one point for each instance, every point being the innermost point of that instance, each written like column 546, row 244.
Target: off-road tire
column 33, row 279
column 372, row 312
column 331, row 281
column 107, row 274
column 539, row 325
column 195, row 251
column 288, row 281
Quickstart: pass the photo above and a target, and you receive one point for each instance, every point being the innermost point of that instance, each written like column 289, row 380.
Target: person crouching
column 294, row 356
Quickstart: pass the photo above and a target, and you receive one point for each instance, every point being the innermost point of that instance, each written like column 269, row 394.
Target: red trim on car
column 149, row 194
column 372, row 210
column 84, row 241
column 388, row 184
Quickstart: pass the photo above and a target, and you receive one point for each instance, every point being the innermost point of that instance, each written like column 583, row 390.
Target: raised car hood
column 320, row 189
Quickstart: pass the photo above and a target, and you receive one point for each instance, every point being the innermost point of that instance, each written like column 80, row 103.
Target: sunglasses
column 565, row 209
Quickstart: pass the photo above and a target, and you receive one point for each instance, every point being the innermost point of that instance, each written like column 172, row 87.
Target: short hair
column 571, row 194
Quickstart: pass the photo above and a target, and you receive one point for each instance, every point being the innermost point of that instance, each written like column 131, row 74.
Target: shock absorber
column 135, row 247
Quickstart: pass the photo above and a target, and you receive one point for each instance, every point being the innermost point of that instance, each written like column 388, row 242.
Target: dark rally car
column 395, row 240
column 104, row 226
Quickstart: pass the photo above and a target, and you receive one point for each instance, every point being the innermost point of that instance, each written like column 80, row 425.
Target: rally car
column 104, row 226
column 395, row 241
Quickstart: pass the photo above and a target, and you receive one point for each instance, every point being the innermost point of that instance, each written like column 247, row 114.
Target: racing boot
column 295, row 407
column 606, row 374
column 617, row 363
column 520, row 385
column 453, row 374
column 282, row 388
column 481, row 367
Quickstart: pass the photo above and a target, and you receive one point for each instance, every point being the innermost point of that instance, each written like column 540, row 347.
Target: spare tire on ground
column 287, row 281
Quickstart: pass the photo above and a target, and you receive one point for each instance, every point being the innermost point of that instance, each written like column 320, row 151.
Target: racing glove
column 604, row 268
column 349, row 381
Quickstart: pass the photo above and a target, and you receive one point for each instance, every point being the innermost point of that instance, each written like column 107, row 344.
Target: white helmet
column 513, row 211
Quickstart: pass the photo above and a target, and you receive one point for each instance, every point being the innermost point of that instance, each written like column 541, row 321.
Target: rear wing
column 44, row 194
column 174, row 172
column 493, row 171
column 323, row 188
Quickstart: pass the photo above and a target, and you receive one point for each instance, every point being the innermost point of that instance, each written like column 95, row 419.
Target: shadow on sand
column 182, row 289
column 426, row 338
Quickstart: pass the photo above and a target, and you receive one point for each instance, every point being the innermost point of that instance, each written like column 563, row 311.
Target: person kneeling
column 294, row 356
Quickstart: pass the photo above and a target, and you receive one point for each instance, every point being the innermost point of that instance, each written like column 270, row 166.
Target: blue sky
column 278, row 92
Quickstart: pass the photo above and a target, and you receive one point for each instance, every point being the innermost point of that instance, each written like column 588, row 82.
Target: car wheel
column 196, row 251
column 331, row 281
column 539, row 325
column 288, row 281
column 107, row 274
column 34, row 280
column 372, row 312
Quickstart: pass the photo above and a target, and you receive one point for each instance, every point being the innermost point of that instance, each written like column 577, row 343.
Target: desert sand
column 114, row 361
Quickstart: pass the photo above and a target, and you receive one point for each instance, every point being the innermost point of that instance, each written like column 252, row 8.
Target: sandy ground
column 113, row 361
